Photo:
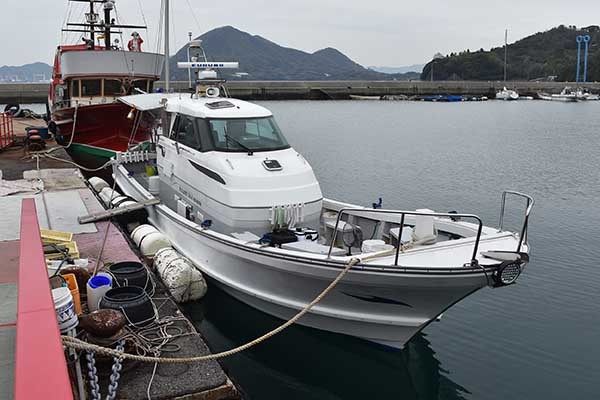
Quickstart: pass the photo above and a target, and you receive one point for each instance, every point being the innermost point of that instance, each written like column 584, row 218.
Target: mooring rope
column 78, row 344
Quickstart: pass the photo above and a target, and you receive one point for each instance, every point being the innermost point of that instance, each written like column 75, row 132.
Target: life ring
column 13, row 109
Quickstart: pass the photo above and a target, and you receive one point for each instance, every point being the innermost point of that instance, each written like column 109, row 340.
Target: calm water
column 539, row 339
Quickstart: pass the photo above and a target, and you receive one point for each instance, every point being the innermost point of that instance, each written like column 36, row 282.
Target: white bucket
column 154, row 184
column 97, row 183
column 95, row 290
column 107, row 195
column 180, row 276
column 372, row 246
column 149, row 240
column 65, row 310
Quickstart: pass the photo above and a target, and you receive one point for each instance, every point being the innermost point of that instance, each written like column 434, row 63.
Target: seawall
column 324, row 90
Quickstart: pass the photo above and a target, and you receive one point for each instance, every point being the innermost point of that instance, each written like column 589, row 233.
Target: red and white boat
column 89, row 77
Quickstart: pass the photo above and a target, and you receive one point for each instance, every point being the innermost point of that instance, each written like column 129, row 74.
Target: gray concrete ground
column 7, row 362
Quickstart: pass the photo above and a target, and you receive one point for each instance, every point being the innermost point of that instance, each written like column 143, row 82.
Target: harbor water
column 537, row 339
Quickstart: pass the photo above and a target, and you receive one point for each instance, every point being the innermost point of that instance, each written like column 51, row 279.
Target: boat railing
column 403, row 214
column 524, row 229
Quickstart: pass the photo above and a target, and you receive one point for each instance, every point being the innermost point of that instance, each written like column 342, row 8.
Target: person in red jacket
column 135, row 44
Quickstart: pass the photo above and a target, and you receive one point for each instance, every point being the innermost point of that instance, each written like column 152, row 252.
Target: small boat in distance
column 584, row 94
column 507, row 94
column 567, row 95
column 89, row 77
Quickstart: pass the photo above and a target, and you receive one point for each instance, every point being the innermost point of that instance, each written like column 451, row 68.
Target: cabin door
column 181, row 150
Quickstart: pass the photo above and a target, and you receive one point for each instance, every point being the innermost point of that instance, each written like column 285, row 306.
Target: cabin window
column 75, row 88
column 142, row 85
column 244, row 134
column 90, row 87
column 113, row 87
column 186, row 133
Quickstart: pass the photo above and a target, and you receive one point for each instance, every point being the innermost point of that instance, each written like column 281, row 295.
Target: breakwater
column 325, row 90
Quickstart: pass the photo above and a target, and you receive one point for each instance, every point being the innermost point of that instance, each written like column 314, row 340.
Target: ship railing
column 368, row 213
column 525, row 227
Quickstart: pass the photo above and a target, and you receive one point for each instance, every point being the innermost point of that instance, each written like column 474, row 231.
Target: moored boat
column 88, row 79
column 247, row 209
column 507, row 94
column 566, row 95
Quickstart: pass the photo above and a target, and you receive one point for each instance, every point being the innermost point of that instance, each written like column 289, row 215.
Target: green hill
column 26, row 73
column 545, row 55
column 262, row 59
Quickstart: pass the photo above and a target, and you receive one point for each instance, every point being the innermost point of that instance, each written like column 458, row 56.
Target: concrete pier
column 325, row 90
column 55, row 195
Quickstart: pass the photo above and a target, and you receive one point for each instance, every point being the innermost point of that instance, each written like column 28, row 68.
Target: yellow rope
column 78, row 344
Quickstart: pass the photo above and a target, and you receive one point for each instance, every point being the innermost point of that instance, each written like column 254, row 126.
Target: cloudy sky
column 374, row 32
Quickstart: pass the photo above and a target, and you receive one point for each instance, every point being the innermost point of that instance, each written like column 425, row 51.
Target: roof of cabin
column 200, row 107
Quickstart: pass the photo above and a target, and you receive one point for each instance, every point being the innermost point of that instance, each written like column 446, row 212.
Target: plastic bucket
column 74, row 288
column 131, row 273
column 106, row 274
column 96, row 287
column 133, row 302
column 65, row 309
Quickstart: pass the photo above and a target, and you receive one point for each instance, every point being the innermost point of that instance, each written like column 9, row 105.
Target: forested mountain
column 26, row 73
column 550, row 55
column 262, row 59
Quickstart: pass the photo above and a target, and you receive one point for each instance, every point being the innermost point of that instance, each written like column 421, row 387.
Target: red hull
column 103, row 125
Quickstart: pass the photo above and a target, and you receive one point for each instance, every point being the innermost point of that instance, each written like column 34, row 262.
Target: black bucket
column 133, row 302
column 131, row 273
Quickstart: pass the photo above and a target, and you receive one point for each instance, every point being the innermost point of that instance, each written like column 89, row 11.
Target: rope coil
column 79, row 344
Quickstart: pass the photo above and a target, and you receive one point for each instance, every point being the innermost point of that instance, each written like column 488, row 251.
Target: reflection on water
column 304, row 363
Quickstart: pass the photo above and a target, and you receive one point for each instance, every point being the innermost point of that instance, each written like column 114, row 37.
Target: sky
column 376, row 32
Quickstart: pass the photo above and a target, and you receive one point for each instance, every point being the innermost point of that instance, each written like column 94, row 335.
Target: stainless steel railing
column 402, row 215
column 528, row 208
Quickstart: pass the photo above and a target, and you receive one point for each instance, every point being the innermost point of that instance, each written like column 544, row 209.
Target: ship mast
column 167, row 51
column 94, row 26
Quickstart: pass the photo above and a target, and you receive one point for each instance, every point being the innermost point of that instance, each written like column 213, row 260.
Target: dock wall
column 324, row 90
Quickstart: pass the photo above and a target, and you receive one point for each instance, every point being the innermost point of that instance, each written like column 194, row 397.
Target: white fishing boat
column 248, row 211
column 507, row 94
column 584, row 94
column 566, row 95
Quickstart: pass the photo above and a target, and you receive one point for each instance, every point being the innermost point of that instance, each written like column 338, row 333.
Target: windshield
column 245, row 134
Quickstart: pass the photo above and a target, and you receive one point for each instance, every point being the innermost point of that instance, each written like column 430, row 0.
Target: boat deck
column 446, row 253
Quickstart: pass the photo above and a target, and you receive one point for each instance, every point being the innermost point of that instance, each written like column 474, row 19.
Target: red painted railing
column 6, row 130
column 40, row 365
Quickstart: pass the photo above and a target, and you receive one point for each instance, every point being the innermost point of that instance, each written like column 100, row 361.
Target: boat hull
column 100, row 129
column 386, row 307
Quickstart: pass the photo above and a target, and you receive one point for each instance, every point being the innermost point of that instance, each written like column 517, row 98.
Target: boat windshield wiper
column 248, row 149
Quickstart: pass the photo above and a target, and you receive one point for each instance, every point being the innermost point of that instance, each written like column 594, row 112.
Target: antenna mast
column 167, row 52
column 505, row 51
